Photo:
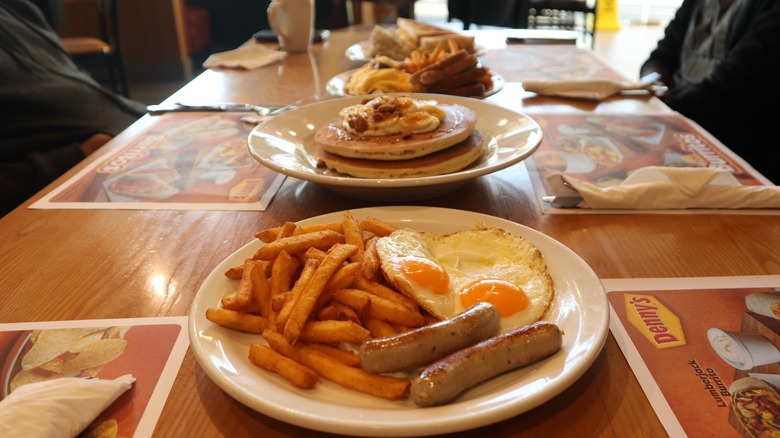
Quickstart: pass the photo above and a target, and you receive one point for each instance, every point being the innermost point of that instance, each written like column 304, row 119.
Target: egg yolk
column 507, row 298
column 424, row 273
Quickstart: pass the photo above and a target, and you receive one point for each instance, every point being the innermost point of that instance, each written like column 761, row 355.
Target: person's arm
column 747, row 77
column 665, row 58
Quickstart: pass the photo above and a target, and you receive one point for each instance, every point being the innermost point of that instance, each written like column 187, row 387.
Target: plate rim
column 403, row 425
column 532, row 144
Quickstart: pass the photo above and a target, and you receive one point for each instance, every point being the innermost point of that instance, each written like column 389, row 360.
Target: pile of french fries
column 420, row 59
column 309, row 291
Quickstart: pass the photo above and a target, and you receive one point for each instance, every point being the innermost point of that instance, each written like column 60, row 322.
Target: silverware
column 562, row 201
column 256, row 119
column 218, row 107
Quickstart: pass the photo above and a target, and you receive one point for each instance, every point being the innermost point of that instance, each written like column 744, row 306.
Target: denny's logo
column 656, row 322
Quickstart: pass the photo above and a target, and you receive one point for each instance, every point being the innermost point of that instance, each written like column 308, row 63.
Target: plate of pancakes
column 578, row 307
column 475, row 138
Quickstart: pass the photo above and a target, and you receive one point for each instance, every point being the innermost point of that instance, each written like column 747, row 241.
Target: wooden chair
column 106, row 47
column 579, row 15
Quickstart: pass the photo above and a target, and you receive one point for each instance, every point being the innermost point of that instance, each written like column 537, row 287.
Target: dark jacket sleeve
column 667, row 53
column 738, row 102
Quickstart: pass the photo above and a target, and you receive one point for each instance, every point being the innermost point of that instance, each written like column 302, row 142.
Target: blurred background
column 164, row 43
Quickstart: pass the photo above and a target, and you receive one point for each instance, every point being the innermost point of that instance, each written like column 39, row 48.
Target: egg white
column 469, row 256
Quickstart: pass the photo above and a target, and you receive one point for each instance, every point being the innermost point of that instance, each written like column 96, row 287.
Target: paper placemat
column 661, row 326
column 152, row 352
column 182, row 161
column 604, row 148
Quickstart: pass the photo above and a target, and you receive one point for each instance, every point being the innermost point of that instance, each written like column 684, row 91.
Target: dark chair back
column 579, row 15
column 502, row 13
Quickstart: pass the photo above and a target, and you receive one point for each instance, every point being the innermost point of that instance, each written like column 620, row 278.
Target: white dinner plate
column 335, row 86
column 357, row 52
column 579, row 309
column 285, row 143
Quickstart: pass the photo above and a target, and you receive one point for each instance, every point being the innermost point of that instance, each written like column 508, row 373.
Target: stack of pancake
column 347, row 145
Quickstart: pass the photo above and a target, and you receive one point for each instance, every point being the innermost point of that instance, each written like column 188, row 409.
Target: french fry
column 348, row 358
column 261, row 291
column 299, row 242
column 249, row 277
column 380, row 290
column 309, row 268
column 244, row 322
column 287, row 230
column 344, row 277
column 229, row 302
column 337, row 312
column 390, row 388
column 369, row 264
column 376, row 226
column 269, row 235
column 381, row 308
column 379, row 328
column 333, row 332
column 437, row 51
column 353, row 234
column 305, row 303
column 282, row 271
column 296, row 373
column 315, row 253
column 277, row 342
column 278, row 300
column 235, row 272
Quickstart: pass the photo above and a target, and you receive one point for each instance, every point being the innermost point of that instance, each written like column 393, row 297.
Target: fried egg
column 446, row 275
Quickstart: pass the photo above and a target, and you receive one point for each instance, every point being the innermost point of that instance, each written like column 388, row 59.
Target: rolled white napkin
column 248, row 56
column 60, row 407
column 591, row 89
column 668, row 188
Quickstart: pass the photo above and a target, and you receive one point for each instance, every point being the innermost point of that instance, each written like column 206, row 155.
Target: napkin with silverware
column 658, row 187
column 590, row 89
column 248, row 56
column 61, row 407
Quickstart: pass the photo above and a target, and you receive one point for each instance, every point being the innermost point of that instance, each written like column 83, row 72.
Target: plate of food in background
column 445, row 68
column 447, row 141
column 398, row 42
column 383, row 75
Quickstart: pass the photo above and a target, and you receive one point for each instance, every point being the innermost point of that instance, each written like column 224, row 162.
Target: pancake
column 445, row 161
column 456, row 127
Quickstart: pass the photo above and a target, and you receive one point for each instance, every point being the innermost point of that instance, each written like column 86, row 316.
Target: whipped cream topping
column 386, row 115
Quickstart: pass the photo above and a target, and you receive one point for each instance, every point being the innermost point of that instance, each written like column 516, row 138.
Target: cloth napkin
column 248, row 56
column 591, row 89
column 657, row 187
column 60, row 407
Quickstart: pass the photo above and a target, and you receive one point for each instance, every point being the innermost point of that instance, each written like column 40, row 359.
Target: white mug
column 293, row 23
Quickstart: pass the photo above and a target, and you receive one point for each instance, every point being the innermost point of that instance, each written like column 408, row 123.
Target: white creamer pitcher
column 293, row 23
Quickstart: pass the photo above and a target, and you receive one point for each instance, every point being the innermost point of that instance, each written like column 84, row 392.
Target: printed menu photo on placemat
column 706, row 352
column 181, row 161
column 604, row 149
column 148, row 352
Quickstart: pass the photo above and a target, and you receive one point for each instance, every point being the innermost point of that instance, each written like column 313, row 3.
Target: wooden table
column 93, row 264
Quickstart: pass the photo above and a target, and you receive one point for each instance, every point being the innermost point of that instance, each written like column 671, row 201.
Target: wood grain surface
column 90, row 264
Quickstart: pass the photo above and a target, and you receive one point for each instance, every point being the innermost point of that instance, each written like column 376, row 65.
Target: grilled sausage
column 443, row 380
column 422, row 346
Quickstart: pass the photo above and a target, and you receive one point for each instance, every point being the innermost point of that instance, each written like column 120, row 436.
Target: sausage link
column 445, row 379
column 422, row 346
